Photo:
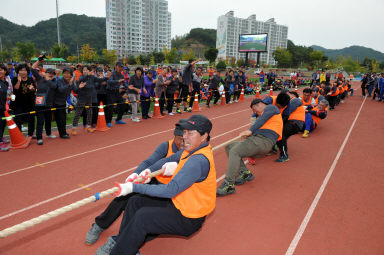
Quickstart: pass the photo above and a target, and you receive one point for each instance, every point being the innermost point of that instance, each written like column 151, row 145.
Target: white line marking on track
column 102, row 148
column 307, row 218
column 97, row 182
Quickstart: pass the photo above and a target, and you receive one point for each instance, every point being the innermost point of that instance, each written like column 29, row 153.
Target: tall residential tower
column 229, row 28
column 137, row 26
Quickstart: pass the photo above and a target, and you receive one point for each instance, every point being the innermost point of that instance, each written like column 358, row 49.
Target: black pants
column 114, row 97
column 95, row 113
column 161, row 101
column 289, row 128
column 60, row 115
column 145, row 218
column 145, row 105
column 44, row 116
column 170, row 99
column 3, row 123
column 29, row 118
column 192, row 98
column 376, row 92
column 332, row 101
column 227, row 95
column 363, row 88
column 213, row 93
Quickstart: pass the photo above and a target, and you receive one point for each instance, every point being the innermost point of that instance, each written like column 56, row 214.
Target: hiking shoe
column 135, row 119
column 93, row 234
column 120, row 122
column 282, row 159
column 109, row 125
column 40, row 142
column 306, row 134
column 107, row 247
column 245, row 176
column 225, row 189
column 3, row 147
column 51, row 136
column 171, row 114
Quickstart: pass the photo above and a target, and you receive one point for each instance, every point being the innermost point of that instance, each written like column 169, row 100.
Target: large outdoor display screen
column 253, row 43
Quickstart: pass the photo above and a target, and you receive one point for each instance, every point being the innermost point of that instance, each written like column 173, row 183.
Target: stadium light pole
column 58, row 25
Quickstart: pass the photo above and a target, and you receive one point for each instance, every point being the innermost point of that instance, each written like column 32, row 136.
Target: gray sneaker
column 51, row 136
column 40, row 142
column 225, row 189
column 107, row 247
column 93, row 234
column 245, row 176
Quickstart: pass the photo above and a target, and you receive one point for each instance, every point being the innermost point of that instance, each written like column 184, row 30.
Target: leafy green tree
column 188, row 54
column 153, row 62
column 282, row 56
column 381, row 65
column 159, row 57
column 211, row 54
column 5, row 55
column 108, row 57
column 87, row 53
column 132, row 60
column 61, row 51
column 316, row 58
column 138, row 60
column 221, row 65
column 171, row 56
column 26, row 50
column 350, row 65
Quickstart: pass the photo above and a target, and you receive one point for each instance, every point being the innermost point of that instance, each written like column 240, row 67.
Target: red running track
column 261, row 218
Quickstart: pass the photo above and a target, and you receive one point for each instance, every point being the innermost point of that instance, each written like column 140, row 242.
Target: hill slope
column 75, row 30
column 356, row 52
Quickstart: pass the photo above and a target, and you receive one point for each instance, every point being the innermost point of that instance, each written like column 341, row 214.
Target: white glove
column 146, row 176
column 132, row 178
column 169, row 168
column 124, row 189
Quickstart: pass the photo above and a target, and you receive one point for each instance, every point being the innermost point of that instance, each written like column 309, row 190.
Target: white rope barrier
column 45, row 217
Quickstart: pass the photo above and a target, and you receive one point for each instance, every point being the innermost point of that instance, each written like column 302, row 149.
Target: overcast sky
column 332, row 24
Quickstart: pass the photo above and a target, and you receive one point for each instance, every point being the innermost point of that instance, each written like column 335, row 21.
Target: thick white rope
column 45, row 217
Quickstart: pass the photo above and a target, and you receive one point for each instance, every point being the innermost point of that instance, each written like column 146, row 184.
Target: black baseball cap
column 178, row 129
column 50, row 70
column 199, row 123
column 118, row 63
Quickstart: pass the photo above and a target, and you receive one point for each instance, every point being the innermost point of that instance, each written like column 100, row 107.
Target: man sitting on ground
column 313, row 115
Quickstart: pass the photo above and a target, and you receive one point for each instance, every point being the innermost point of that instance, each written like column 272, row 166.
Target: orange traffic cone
column 195, row 107
column 101, row 123
column 241, row 95
column 18, row 141
column 156, row 109
column 223, row 100
column 296, row 88
column 271, row 91
column 257, row 95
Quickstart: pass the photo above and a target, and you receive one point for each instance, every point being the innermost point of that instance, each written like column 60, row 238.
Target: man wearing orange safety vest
column 293, row 125
column 258, row 140
column 116, row 207
column 307, row 97
column 313, row 115
column 177, row 208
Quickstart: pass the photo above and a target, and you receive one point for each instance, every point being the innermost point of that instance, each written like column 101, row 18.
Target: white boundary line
column 96, row 182
column 307, row 218
column 102, row 148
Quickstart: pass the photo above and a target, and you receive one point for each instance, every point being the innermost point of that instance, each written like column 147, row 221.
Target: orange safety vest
column 166, row 179
column 315, row 118
column 336, row 93
column 275, row 123
column 306, row 103
column 199, row 199
column 274, row 103
column 298, row 114
column 316, row 100
column 77, row 75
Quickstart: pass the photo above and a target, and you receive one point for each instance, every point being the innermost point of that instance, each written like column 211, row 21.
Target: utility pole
column 58, row 25
column 78, row 56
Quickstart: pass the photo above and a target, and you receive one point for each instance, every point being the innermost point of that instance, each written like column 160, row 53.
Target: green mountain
column 356, row 52
column 75, row 30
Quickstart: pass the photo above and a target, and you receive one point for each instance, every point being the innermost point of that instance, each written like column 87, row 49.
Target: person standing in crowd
column 84, row 91
column 262, row 78
column 3, row 101
column 214, row 84
column 135, row 87
column 171, row 90
column 161, row 86
column 117, row 205
column 196, row 82
column 375, row 87
column 258, row 140
column 78, row 72
column 332, row 96
column 370, row 83
column 115, row 89
column 381, row 87
column 186, row 86
column 101, row 87
column 229, row 80
column 177, row 208
column 64, row 88
column 364, row 82
column 145, row 98
column 45, row 96
column 24, row 88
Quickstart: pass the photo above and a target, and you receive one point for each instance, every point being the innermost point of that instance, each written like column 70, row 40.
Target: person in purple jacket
column 149, row 83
